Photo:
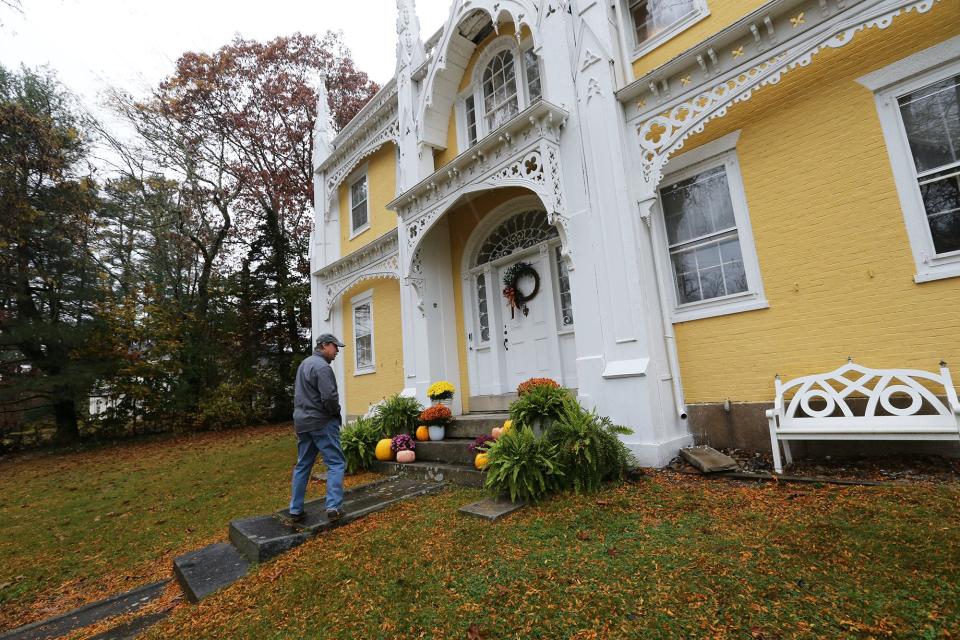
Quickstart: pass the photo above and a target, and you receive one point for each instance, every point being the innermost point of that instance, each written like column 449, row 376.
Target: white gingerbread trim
column 661, row 135
column 523, row 152
column 377, row 260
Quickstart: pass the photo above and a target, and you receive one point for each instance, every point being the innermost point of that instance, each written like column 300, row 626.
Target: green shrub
column 234, row 404
column 588, row 448
column 541, row 403
column 398, row 414
column 358, row 440
column 523, row 466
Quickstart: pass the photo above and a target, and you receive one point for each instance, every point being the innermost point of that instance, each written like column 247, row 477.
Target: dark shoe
column 334, row 514
column 293, row 518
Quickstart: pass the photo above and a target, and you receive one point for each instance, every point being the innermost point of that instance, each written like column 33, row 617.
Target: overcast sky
column 132, row 44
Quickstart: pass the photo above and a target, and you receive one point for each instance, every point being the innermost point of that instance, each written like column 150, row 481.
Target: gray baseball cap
column 329, row 337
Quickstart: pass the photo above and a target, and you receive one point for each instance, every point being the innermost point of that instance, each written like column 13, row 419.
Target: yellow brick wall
column 723, row 13
column 363, row 390
column 463, row 220
column 829, row 231
column 381, row 189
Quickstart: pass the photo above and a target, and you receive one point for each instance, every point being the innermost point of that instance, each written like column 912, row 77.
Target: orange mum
column 527, row 385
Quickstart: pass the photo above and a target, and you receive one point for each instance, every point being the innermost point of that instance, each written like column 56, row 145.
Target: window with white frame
column 706, row 237
column 654, row 21
column 359, row 211
column 363, row 333
column 507, row 80
column 920, row 117
column 483, row 314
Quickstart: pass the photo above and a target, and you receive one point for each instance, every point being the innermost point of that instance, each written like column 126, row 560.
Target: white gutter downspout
column 673, row 361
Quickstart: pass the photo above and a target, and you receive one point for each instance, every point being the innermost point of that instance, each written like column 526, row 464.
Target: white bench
column 799, row 421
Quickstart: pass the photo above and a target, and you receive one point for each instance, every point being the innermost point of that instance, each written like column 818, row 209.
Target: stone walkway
column 205, row 571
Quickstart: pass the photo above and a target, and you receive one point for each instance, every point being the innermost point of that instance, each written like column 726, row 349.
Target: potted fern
column 540, row 404
column 398, row 414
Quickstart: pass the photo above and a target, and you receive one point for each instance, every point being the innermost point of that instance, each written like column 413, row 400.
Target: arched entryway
column 507, row 344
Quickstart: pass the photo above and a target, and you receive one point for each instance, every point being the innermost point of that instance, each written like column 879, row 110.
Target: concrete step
column 491, row 403
column 471, row 425
column 446, row 450
column 263, row 537
column 454, row 473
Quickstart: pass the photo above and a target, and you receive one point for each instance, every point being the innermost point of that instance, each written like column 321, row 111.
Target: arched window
column 519, row 232
column 500, row 90
column 506, row 81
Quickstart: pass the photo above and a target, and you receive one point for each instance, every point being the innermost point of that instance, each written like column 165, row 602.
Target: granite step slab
column 207, row 570
column 492, row 509
column 455, row 473
column 446, row 450
column 88, row 614
column 708, row 460
column 472, row 425
column 263, row 537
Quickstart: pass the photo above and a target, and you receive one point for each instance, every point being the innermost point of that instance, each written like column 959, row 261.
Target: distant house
column 703, row 194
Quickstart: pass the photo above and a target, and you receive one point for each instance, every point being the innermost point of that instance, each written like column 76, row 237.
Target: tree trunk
column 65, row 412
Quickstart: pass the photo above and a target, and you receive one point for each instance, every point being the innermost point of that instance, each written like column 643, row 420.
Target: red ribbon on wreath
column 511, row 295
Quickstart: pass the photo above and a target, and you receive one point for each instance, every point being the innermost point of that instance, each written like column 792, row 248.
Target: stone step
column 491, row 403
column 459, row 474
column 263, row 537
column 471, row 425
column 207, row 570
column 446, row 450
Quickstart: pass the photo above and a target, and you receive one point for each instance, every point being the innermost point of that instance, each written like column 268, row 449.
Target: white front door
column 530, row 340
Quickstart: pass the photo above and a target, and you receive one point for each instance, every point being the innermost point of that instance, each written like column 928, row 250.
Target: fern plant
column 398, row 414
column 588, row 448
column 358, row 441
column 523, row 466
column 541, row 404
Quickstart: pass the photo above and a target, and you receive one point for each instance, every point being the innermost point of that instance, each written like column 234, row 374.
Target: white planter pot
column 437, row 433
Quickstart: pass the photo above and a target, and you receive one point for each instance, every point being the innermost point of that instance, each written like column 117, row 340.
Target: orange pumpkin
column 423, row 434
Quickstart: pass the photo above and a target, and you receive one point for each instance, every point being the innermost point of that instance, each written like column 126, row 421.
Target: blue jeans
column 326, row 442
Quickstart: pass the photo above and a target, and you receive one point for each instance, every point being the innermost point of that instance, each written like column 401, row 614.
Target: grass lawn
column 81, row 526
column 670, row 557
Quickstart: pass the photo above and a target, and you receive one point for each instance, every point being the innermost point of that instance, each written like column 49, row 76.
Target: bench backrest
column 876, row 387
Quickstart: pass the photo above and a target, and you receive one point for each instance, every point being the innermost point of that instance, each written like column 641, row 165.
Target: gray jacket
column 315, row 398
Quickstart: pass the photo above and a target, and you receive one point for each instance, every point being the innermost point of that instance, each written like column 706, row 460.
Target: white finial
column 323, row 129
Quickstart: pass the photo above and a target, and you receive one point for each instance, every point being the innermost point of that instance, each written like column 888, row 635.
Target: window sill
column 733, row 304
column 567, row 330
column 938, row 272
column 650, row 44
column 363, row 372
column 354, row 234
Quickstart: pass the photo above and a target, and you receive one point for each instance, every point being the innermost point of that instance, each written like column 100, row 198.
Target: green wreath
column 516, row 298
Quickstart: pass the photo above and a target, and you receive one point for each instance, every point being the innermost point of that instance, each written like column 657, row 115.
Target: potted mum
column 441, row 392
column 436, row 418
column 480, row 448
column 403, row 446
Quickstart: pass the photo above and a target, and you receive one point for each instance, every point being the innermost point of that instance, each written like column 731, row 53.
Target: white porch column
column 622, row 361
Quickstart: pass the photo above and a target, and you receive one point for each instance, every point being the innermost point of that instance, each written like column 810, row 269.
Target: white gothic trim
column 376, row 128
column 451, row 54
column 661, row 135
column 489, row 223
column 377, row 260
column 524, row 152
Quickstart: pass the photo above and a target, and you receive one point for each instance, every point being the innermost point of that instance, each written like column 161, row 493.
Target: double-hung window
column 704, row 230
column 507, row 80
column 655, row 21
column 359, row 211
column 363, row 333
column 920, row 116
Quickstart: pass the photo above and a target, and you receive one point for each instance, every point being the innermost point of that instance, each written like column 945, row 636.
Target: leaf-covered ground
column 670, row 557
column 76, row 527
column 673, row 556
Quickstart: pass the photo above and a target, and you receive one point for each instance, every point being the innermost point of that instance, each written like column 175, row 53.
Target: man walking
column 316, row 420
